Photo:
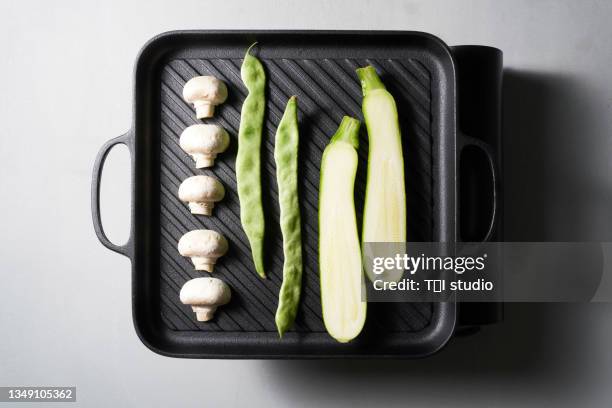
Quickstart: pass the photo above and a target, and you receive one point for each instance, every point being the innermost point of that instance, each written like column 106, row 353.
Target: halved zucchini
column 341, row 272
column 384, row 212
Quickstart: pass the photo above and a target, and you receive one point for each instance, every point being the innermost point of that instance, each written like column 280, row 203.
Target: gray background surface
column 65, row 83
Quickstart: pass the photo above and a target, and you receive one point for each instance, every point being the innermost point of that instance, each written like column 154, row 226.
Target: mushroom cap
column 202, row 243
column 204, row 138
column 205, row 88
column 205, row 291
column 201, row 189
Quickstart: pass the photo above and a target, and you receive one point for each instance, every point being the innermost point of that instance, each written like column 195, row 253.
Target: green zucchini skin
column 340, row 265
column 384, row 214
column 286, row 158
column 248, row 158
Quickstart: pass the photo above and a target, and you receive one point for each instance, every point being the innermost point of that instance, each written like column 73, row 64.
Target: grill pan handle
column 125, row 139
column 490, row 155
column 479, row 74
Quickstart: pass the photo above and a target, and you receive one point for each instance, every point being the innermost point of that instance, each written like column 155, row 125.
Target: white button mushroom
column 201, row 192
column 204, row 295
column 204, row 92
column 204, row 247
column 203, row 142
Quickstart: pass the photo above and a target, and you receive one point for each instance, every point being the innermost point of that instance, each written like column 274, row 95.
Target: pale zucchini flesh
column 384, row 214
column 340, row 264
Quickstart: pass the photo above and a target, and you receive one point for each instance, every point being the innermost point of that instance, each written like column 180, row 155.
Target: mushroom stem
column 204, row 160
column 203, row 263
column 204, row 313
column 201, row 208
column 204, row 109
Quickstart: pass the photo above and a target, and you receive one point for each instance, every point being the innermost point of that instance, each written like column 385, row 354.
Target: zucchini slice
column 341, row 272
column 384, row 212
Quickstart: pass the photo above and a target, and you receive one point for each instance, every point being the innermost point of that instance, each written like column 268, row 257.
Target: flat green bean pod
column 248, row 159
column 286, row 158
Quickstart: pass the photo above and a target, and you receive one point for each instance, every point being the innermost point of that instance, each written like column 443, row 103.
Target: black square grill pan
column 318, row 67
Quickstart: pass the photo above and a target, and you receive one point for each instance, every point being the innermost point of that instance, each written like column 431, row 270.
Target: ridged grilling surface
column 327, row 89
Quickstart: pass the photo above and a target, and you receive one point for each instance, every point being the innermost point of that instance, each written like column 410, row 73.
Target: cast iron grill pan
column 318, row 67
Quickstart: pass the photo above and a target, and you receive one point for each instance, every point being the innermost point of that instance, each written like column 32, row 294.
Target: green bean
column 248, row 159
column 286, row 158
